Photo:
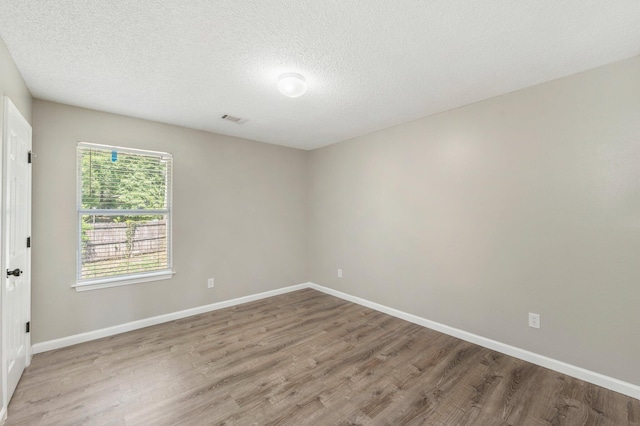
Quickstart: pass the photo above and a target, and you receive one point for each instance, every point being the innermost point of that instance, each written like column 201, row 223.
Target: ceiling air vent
column 236, row 120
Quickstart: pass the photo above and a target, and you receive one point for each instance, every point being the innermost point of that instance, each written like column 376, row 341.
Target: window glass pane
column 124, row 212
column 123, row 180
column 121, row 245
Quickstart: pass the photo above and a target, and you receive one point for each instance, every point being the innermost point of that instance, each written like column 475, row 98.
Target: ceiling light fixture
column 292, row 84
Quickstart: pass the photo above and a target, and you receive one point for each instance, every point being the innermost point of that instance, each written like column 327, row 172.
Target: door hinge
column 28, row 242
column 29, row 157
column 28, row 327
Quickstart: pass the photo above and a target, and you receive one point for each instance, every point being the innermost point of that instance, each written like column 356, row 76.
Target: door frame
column 10, row 110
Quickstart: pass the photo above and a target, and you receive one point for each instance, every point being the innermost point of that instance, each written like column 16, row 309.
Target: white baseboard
column 552, row 364
column 543, row 361
column 3, row 415
column 135, row 325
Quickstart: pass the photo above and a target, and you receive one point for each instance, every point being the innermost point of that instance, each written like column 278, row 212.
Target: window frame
column 131, row 278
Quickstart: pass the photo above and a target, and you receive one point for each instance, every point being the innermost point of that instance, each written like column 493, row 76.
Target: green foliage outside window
column 131, row 182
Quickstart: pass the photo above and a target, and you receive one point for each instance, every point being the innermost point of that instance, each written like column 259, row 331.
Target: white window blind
column 124, row 213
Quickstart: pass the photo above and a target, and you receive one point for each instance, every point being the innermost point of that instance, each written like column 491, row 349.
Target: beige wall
column 239, row 216
column 528, row 202
column 12, row 85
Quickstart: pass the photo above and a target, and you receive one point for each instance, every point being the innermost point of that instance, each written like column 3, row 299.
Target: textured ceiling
column 368, row 64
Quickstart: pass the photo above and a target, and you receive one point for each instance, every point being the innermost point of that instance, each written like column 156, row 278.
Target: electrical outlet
column 210, row 283
column 534, row 320
column 339, row 273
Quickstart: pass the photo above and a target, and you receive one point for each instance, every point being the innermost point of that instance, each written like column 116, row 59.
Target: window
column 124, row 216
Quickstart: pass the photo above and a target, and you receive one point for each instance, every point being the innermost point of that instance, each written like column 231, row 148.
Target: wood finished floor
column 303, row 358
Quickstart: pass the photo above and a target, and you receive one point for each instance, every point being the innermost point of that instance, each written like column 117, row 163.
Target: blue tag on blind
column 114, row 156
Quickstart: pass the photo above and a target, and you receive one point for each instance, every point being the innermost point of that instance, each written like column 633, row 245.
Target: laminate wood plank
column 303, row 358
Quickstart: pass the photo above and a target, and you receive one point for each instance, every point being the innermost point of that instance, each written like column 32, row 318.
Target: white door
column 16, row 273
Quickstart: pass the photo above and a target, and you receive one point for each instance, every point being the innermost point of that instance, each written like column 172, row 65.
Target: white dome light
column 292, row 84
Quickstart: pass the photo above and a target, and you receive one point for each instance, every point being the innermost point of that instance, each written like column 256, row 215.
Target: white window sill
column 120, row 281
